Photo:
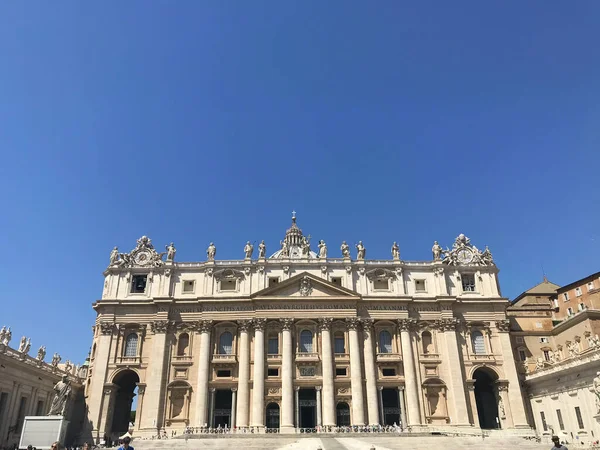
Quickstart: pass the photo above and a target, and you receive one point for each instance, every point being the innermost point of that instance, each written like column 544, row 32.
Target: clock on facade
column 464, row 256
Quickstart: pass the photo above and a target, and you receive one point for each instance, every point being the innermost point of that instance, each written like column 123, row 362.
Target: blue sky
column 207, row 121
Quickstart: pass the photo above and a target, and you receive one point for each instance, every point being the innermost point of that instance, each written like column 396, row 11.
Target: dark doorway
column 485, row 398
column 391, row 407
column 126, row 382
column 272, row 416
column 307, row 402
column 342, row 414
column 222, row 412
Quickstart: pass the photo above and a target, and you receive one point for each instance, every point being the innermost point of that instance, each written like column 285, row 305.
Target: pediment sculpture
column 463, row 253
column 143, row 255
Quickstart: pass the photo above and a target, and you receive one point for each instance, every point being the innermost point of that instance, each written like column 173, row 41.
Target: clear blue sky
column 210, row 121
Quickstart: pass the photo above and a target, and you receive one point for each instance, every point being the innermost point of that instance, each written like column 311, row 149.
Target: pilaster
column 356, row 383
column 243, row 375
column 370, row 373
column 327, row 371
column 410, row 376
column 155, row 377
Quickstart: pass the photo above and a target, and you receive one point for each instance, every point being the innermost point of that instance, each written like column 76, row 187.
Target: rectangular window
column 544, row 424
column 468, row 282
column 555, row 302
column 341, row 371
column 39, row 410
column 579, row 418
column 188, row 286
column 138, row 284
column 547, row 355
column 520, row 339
column 381, row 285
column 578, row 294
column 273, row 346
column 566, row 297
column 228, row 285
column 3, row 402
column 340, row 344
column 21, row 414
column 590, row 286
column 581, row 307
column 388, row 372
column 420, row 286
column 272, row 372
column 569, row 311
column 223, row 373
column 336, row 280
column 522, row 355
column 560, row 420
column 273, row 281
column 544, row 340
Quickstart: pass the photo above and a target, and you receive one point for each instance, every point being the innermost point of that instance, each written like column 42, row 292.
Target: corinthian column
column 258, row 389
column 327, row 369
column 448, row 326
column 243, row 375
column 205, row 327
column 410, row 376
column 370, row 375
column 287, row 382
column 356, row 384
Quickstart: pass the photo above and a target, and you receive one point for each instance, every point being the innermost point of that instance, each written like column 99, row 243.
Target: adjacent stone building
column 557, row 349
column 26, row 389
column 302, row 339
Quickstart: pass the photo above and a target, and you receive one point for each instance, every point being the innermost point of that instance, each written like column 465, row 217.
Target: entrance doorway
column 485, row 398
column 222, row 412
column 391, row 407
column 342, row 414
column 272, row 416
column 307, row 402
column 126, row 382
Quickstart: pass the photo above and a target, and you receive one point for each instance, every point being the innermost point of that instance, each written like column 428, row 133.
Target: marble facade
column 300, row 340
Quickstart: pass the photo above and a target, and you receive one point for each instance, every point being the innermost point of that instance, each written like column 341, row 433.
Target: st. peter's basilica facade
column 302, row 339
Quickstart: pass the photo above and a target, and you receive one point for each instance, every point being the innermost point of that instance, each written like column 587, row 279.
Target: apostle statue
column 114, row 256
column 395, row 251
column 7, row 337
column 437, row 251
column 211, row 251
column 345, row 248
column 597, row 391
column 41, row 353
column 322, row 249
column 2, row 334
column 262, row 249
column 62, row 390
column 305, row 246
column 285, row 251
column 22, row 344
column 171, row 250
column 55, row 360
column 248, row 249
column 27, row 346
column 361, row 250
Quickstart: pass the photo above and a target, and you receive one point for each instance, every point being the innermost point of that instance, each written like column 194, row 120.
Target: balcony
column 486, row 357
column 128, row 360
column 306, row 357
column 389, row 357
column 224, row 359
column 341, row 356
column 273, row 358
column 182, row 360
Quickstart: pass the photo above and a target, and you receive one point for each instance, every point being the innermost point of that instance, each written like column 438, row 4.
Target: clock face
column 142, row 258
column 464, row 256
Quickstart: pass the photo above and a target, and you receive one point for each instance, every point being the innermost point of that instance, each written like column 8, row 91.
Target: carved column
column 380, row 395
column 457, row 385
column 402, row 403
column 327, row 369
column 204, row 327
column 155, row 382
column 258, row 389
column 297, row 406
column 319, row 413
column 370, row 374
column 287, row 373
column 243, row 375
column 356, row 383
column 410, row 376
column 233, row 405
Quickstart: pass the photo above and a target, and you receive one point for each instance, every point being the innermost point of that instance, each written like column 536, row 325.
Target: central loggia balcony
column 306, row 356
column 224, row 358
column 389, row 357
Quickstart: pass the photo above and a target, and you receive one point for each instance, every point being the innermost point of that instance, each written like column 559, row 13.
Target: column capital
column 407, row 324
column 367, row 323
column 325, row 323
column 317, row 388
column 212, row 390
column 286, row 324
column 204, row 326
column 353, row 323
column 159, row 326
column 259, row 324
column 400, row 388
column 244, row 325
column 380, row 388
column 450, row 324
column 234, row 389
column 296, row 388
column 503, row 325
column 141, row 388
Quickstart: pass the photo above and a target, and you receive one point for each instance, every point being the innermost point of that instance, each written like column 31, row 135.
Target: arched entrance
column 486, row 398
column 272, row 416
column 342, row 414
column 126, row 382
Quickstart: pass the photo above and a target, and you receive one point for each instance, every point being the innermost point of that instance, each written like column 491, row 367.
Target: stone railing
column 273, row 357
column 304, row 356
column 218, row 358
column 382, row 357
column 589, row 355
column 129, row 360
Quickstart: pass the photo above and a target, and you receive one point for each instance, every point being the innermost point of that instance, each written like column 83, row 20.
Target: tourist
column 557, row 444
column 126, row 446
column 55, row 446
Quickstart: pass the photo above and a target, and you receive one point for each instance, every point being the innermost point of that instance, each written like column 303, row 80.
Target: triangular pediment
column 305, row 286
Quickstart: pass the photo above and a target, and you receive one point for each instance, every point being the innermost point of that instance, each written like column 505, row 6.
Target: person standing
column 126, row 446
column 557, row 444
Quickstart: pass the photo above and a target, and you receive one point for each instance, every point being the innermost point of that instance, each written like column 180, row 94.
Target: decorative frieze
column 380, row 274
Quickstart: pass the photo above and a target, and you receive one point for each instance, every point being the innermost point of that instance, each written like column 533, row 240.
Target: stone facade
column 26, row 389
column 300, row 340
column 558, row 357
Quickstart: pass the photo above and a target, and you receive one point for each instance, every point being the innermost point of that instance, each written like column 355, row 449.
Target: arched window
column 427, row 342
column 273, row 344
column 339, row 343
column 226, row 343
column 131, row 344
column 478, row 343
column 385, row 342
column 306, row 342
column 183, row 344
column 342, row 411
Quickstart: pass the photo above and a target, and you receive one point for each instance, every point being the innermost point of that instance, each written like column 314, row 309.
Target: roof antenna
column 544, row 274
